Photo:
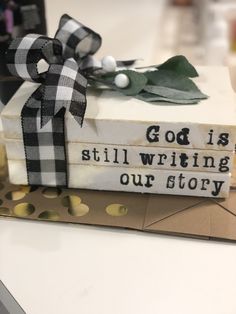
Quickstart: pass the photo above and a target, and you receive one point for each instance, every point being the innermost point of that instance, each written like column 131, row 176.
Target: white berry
column 109, row 64
column 121, row 80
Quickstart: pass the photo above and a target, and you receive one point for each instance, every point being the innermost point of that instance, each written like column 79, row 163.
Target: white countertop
column 68, row 269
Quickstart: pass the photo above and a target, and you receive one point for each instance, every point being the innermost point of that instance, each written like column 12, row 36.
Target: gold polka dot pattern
column 51, row 192
column 49, row 215
column 116, row 210
column 15, row 195
column 57, row 204
column 23, row 210
column 75, row 205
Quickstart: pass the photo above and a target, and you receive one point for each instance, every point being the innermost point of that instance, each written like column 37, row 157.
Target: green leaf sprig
column 167, row 82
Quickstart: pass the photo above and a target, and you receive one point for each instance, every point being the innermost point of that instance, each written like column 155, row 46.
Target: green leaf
column 155, row 98
column 175, row 81
column 179, row 64
column 173, row 93
column 137, row 82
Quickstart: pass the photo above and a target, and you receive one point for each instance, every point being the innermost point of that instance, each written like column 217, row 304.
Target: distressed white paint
column 109, row 178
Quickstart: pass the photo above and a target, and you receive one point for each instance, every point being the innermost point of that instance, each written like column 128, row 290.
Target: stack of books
column 126, row 144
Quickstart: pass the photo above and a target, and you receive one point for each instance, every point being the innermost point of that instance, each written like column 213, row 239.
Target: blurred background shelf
column 152, row 30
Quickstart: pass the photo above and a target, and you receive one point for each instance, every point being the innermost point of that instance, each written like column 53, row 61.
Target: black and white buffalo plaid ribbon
column 63, row 87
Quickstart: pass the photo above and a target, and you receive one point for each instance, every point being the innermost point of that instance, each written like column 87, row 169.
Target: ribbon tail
column 78, row 103
column 78, row 111
column 45, row 151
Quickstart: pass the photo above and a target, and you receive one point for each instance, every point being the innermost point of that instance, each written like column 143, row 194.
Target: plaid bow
column 63, row 87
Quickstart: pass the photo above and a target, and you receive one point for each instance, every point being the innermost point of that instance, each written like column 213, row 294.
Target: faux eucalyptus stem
column 167, row 82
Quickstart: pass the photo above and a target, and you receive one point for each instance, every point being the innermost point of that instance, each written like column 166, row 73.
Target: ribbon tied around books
column 71, row 66
column 63, row 86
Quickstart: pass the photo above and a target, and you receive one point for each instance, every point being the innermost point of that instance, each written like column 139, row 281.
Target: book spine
column 149, row 181
column 138, row 133
column 163, row 134
column 160, row 158
column 138, row 157
column 136, row 180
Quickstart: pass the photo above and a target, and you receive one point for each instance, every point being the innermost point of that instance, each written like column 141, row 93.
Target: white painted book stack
column 126, row 144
